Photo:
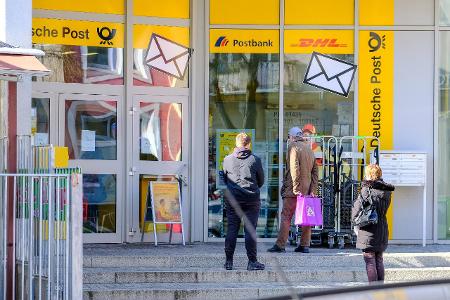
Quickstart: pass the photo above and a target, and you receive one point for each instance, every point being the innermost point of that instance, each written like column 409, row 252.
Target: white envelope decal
column 167, row 56
column 329, row 73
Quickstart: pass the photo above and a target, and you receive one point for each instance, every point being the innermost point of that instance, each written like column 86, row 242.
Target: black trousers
column 251, row 211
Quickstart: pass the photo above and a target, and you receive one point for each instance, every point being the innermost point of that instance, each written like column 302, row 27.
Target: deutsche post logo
column 106, row 34
column 376, row 42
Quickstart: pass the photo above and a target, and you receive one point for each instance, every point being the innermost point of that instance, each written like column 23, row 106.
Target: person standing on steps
column 300, row 178
column 373, row 239
column 244, row 176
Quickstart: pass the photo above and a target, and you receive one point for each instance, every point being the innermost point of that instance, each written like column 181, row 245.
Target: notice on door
column 87, row 140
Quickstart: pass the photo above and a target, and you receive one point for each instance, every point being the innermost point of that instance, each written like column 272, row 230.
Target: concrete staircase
column 195, row 272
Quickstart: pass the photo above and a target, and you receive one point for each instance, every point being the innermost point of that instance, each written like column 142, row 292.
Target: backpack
column 367, row 214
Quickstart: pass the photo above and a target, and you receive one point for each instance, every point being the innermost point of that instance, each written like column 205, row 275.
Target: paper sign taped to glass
column 167, row 56
column 330, row 74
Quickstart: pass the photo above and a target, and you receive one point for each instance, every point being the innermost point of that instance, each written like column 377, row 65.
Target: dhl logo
column 332, row 43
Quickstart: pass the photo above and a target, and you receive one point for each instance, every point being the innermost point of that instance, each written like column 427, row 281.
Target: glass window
column 82, row 64
column 305, row 105
column 160, row 131
column 444, row 12
column 40, row 121
column 443, row 177
column 99, row 203
column 243, row 96
column 91, row 129
column 171, row 52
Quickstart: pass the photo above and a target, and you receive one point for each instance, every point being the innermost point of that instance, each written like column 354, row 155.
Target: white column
column 15, row 29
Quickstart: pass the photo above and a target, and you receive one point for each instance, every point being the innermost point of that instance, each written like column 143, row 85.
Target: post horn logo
column 106, row 39
column 376, row 42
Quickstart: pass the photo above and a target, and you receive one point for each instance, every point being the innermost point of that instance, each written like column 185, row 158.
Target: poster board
column 225, row 144
column 166, row 202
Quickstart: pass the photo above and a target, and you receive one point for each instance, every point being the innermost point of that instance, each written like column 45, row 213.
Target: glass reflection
column 443, row 177
column 99, row 203
column 243, row 95
column 82, row 64
column 91, row 129
column 145, row 76
column 160, row 131
column 40, row 121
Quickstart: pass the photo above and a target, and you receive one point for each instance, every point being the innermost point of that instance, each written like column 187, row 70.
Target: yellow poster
column 225, row 144
column 243, row 41
column 264, row 12
column 320, row 12
column 145, row 221
column 166, row 201
column 322, row 41
column 77, row 33
column 376, row 91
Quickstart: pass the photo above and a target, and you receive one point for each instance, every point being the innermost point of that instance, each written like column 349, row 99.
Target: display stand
column 407, row 169
column 166, row 205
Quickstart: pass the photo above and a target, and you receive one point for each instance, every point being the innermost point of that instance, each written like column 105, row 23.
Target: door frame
column 138, row 167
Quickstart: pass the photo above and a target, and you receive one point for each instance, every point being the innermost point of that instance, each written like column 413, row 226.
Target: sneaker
column 228, row 265
column 255, row 265
column 302, row 249
column 276, row 248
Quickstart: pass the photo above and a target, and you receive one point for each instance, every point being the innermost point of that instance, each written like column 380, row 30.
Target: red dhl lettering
column 319, row 43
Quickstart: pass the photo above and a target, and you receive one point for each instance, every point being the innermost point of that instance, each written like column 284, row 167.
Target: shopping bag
column 308, row 211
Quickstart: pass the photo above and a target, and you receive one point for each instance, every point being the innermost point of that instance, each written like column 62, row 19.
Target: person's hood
column 242, row 153
column 378, row 185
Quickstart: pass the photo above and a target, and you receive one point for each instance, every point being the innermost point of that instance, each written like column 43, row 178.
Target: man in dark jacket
column 300, row 178
column 373, row 239
column 244, row 176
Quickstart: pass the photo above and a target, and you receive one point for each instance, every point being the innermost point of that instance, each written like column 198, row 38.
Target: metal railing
column 47, row 239
column 40, row 227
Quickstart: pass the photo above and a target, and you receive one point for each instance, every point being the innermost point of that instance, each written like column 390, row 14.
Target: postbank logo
column 243, row 41
column 78, row 33
column 323, row 41
column 221, row 42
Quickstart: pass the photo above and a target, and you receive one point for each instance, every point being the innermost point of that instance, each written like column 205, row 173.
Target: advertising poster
column 166, row 201
column 225, row 144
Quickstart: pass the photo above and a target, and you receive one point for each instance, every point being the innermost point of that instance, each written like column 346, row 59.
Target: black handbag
column 367, row 215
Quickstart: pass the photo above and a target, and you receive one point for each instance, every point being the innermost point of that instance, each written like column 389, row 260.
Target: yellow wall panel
column 162, row 9
column 142, row 34
column 244, row 12
column 97, row 6
column 323, row 41
column 322, row 12
column 243, row 41
column 376, row 91
column 380, row 12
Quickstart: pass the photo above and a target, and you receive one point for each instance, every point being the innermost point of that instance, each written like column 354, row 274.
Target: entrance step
column 191, row 291
column 196, row 271
column 219, row 275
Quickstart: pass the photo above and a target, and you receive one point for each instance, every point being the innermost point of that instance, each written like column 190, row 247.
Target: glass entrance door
column 89, row 125
column 160, row 153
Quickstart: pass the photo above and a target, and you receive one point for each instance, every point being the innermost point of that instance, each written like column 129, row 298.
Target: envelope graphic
column 167, row 56
column 329, row 73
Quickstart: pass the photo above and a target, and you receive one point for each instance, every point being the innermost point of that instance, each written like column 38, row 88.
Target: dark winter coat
column 243, row 174
column 301, row 176
column 374, row 237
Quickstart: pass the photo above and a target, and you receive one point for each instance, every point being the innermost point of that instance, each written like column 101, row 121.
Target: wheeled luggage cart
column 353, row 155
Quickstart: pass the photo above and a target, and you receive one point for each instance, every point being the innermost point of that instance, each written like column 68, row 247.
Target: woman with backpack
column 369, row 215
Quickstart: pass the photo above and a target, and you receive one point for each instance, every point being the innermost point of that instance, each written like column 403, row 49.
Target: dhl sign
column 323, row 41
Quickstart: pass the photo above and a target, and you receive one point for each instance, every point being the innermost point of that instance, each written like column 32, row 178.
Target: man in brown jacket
column 300, row 178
